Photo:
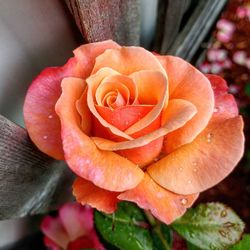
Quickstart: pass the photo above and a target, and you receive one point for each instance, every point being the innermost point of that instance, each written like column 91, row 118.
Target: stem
column 150, row 218
column 157, row 230
column 156, row 225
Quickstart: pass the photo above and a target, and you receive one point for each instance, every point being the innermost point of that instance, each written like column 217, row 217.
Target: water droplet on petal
column 184, row 201
column 156, row 159
column 195, row 169
column 209, row 137
column 189, row 182
column 180, row 168
column 194, row 163
column 45, row 137
column 216, row 109
column 50, row 116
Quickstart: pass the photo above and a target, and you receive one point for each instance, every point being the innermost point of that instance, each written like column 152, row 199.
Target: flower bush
column 135, row 126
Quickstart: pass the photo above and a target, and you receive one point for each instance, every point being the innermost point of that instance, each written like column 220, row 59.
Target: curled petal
column 84, row 112
column 127, row 60
column 40, row 118
column 143, row 155
column 93, row 83
column 152, row 90
column 186, row 82
column 86, row 54
column 124, row 117
column 87, row 193
column 124, row 85
column 203, row 163
column 163, row 204
column 174, row 117
column 105, row 169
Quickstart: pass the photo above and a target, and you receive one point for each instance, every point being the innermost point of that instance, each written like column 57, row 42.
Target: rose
column 135, row 126
column 72, row 229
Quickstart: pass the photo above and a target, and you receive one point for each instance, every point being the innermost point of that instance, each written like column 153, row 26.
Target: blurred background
column 214, row 35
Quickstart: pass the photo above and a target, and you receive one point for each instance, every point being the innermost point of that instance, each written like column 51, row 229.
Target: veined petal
column 40, row 118
column 186, row 82
column 105, row 169
column 87, row 193
column 163, row 204
column 203, row 163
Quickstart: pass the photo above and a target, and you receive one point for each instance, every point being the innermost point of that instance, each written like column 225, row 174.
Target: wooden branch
column 170, row 15
column 100, row 20
column 30, row 182
column 197, row 28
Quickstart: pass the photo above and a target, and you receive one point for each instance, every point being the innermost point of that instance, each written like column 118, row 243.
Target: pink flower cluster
column 72, row 229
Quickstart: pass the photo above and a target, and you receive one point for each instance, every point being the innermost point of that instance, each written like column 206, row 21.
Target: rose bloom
column 72, row 229
column 135, row 126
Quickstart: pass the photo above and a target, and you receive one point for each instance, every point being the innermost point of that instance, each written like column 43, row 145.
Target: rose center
column 114, row 99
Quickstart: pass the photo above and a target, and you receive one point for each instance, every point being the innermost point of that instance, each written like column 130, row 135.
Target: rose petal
column 87, row 53
column 127, row 60
column 93, row 83
column 203, row 163
column 152, row 90
column 87, row 193
column 52, row 227
column 40, row 118
column 86, row 242
column 143, row 155
column 175, row 116
column 123, row 84
column 225, row 104
column 163, row 204
column 105, row 169
column 186, row 82
column 84, row 112
column 50, row 244
column 124, row 117
column 77, row 220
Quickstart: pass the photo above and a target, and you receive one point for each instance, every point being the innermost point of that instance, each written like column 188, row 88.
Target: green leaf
column 190, row 246
column 244, row 244
column 247, row 89
column 162, row 237
column 210, row 226
column 125, row 229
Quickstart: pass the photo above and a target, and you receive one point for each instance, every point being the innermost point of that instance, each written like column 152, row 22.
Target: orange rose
column 134, row 126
